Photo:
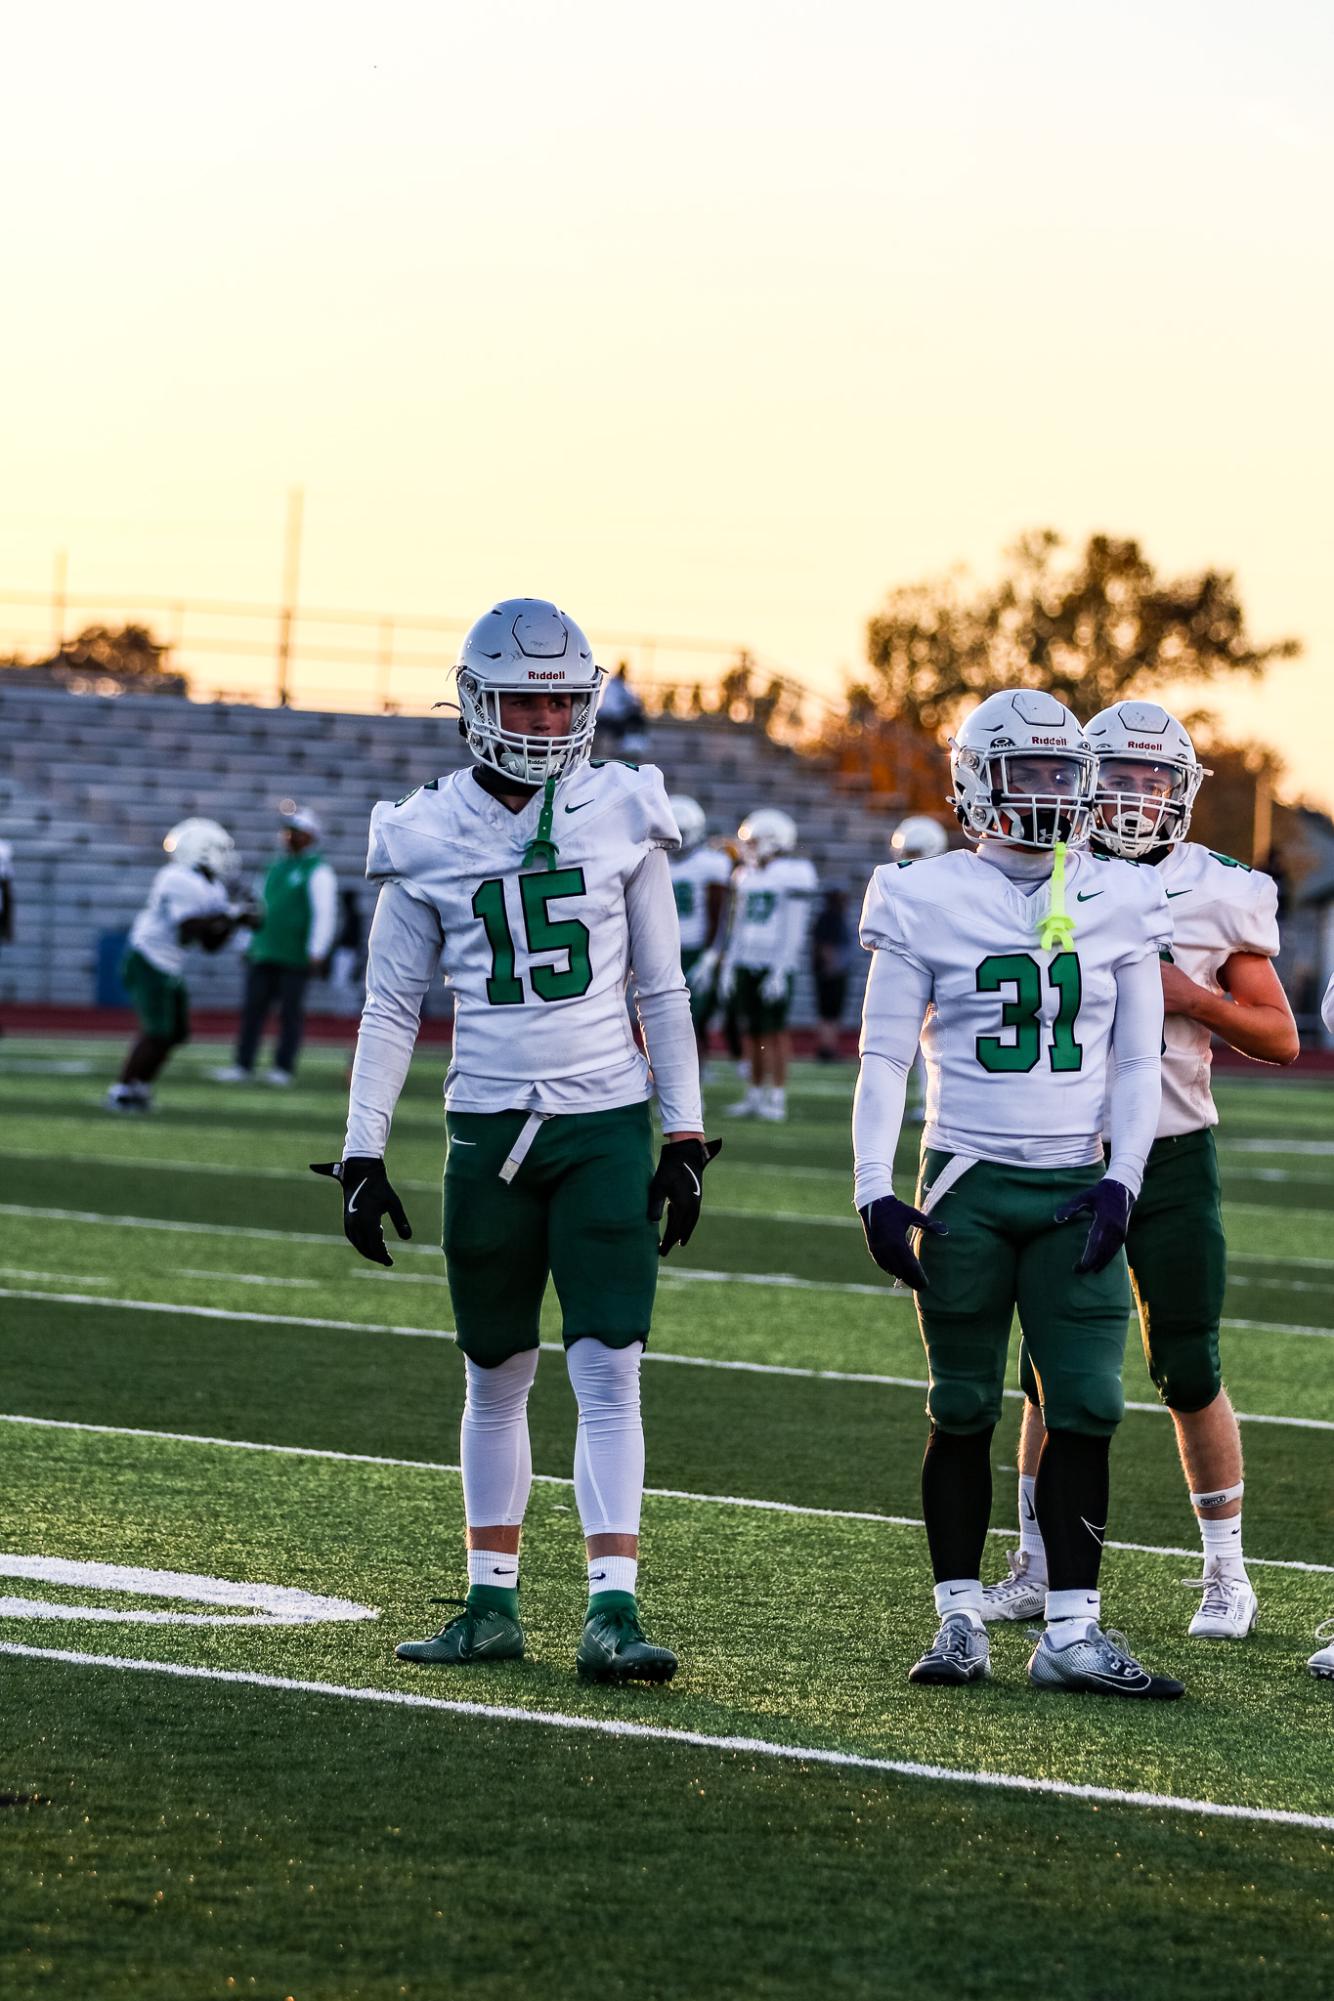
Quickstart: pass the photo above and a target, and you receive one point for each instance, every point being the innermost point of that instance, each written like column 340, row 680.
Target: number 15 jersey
column 1016, row 1038
column 537, row 957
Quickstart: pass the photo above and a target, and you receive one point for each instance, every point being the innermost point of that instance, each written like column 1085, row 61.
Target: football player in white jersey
column 700, row 875
column 192, row 901
column 1219, row 980
column 538, row 883
column 919, row 838
column 772, row 894
column 1030, row 971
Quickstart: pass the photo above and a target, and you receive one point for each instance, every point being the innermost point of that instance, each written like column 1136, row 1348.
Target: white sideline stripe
column 729, row 1364
column 750, row 1747
column 560, row 1480
column 273, row 1604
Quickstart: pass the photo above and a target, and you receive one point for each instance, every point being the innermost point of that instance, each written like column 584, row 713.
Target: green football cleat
column 467, row 1640
column 613, row 1648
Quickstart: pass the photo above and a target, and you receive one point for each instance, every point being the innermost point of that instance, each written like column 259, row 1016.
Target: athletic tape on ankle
column 1218, row 1495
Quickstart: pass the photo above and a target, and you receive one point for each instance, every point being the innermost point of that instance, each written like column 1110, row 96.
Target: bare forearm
column 1265, row 1033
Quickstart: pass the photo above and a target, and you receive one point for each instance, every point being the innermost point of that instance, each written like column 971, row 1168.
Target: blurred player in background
column 193, row 901
column 1218, row 979
column 919, row 838
column 700, row 875
column 6, row 896
column 289, row 949
column 772, row 893
column 831, row 963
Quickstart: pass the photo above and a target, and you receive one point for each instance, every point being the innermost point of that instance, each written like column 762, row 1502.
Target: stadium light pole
column 291, row 575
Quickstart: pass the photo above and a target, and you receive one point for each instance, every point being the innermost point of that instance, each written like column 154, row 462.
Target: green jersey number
column 536, row 893
column 1020, row 1015
column 760, row 905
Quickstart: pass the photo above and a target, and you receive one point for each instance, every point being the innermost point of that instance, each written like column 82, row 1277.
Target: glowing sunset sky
column 716, row 319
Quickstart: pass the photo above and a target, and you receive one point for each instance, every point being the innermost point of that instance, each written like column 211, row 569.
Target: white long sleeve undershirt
column 898, row 993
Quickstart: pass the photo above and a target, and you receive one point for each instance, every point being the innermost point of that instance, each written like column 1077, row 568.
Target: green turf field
column 209, row 1793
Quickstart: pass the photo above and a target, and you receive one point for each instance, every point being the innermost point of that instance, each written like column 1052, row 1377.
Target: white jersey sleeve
column 323, row 892
column 402, row 953
column 6, row 862
column 1327, row 1006
column 662, row 996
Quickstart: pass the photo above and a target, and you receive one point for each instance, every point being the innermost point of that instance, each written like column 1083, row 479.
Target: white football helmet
column 203, row 845
column 1022, row 771
column 919, row 838
column 522, row 647
column 689, row 817
column 1148, row 776
column 766, row 833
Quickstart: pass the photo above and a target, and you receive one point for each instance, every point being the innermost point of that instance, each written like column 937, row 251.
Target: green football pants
column 159, row 998
column 576, row 1212
column 1005, row 1253
column 1178, row 1269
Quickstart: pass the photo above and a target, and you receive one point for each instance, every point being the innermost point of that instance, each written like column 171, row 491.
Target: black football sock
column 956, row 1501
column 1071, row 1498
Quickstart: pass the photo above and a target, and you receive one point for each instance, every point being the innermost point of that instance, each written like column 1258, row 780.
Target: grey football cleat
column 1098, row 1664
column 1228, row 1609
column 1021, row 1595
column 960, row 1652
column 1322, row 1664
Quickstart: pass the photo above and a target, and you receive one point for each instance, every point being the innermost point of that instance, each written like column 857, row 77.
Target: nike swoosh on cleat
column 461, row 1142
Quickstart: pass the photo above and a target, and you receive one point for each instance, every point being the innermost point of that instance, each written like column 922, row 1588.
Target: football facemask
column 1148, row 776
column 1022, row 771
column 526, row 646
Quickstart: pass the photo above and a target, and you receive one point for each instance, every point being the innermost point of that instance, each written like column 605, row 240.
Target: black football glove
column 367, row 1196
column 1109, row 1205
column 887, row 1222
column 678, row 1181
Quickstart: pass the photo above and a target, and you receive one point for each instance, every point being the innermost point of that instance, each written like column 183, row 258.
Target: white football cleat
column 1228, row 1610
column 231, row 1074
column 775, row 1114
column 1322, row 1664
column 1098, row 1664
column 1021, row 1595
column 960, row 1653
column 129, row 1098
column 281, row 1078
column 744, row 1108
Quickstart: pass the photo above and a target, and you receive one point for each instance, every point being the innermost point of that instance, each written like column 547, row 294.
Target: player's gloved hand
column 887, row 1222
column 367, row 1196
column 678, row 1182
column 773, row 987
column 1108, row 1204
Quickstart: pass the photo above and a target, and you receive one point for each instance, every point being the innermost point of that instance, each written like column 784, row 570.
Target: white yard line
column 729, row 1364
column 559, row 1480
column 745, row 1747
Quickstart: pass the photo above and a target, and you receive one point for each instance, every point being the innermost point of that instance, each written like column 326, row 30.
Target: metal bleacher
column 89, row 785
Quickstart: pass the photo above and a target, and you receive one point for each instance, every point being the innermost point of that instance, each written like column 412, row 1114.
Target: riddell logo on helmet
column 537, row 674
column 1057, row 741
column 1132, row 745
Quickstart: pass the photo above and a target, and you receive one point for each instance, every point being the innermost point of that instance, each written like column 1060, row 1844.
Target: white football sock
column 609, row 1444
column 1069, row 1614
column 612, row 1573
column 960, row 1594
column 496, row 1567
column 496, row 1457
column 1222, row 1545
column 1031, row 1544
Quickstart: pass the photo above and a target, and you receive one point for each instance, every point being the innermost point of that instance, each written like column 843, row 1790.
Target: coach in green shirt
column 300, row 898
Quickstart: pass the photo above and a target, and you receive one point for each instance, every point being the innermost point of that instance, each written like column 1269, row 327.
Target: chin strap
column 541, row 850
column 1056, row 931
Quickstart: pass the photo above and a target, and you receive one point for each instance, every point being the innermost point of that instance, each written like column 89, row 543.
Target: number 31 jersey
column 537, row 958
column 1016, row 1038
